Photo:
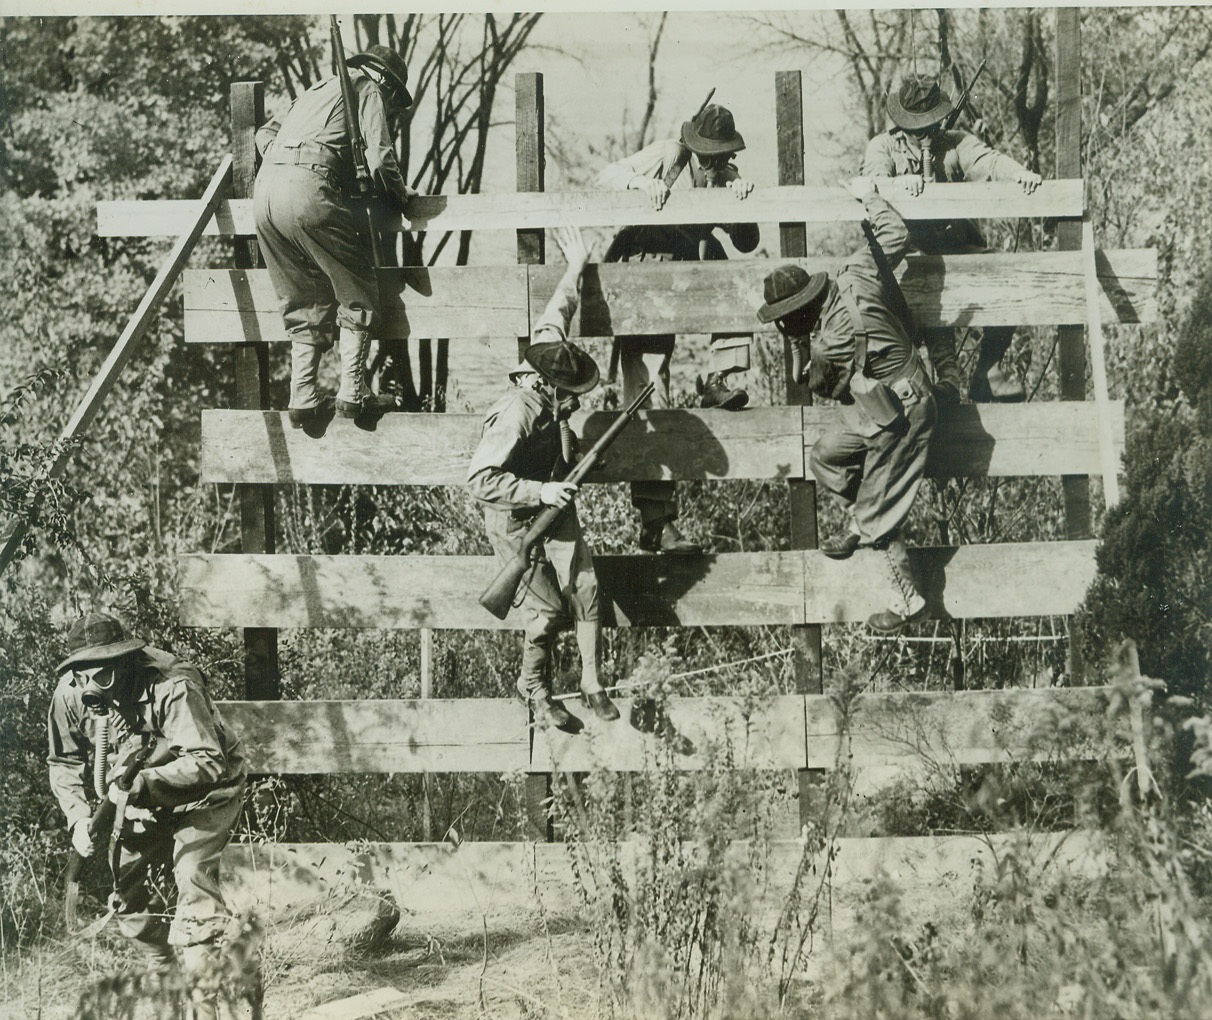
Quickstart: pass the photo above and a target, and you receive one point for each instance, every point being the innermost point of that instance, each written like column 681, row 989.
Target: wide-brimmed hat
column 521, row 368
column 789, row 288
column 564, row 365
column 712, row 132
column 918, row 103
column 97, row 638
column 389, row 63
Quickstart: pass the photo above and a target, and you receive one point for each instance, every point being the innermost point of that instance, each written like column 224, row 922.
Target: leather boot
column 907, row 605
column 714, row 392
column 589, row 633
column 354, row 397
column 990, row 382
column 840, row 547
column 662, row 536
column 306, row 405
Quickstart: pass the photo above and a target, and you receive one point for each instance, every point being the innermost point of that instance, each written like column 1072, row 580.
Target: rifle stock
column 499, row 595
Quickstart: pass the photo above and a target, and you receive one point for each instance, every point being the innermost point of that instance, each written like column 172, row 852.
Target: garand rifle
column 357, row 143
column 960, row 103
column 498, row 597
column 103, row 820
column 672, row 173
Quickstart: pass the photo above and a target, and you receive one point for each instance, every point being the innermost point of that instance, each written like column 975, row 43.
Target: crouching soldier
column 115, row 697
column 862, row 354
column 515, row 472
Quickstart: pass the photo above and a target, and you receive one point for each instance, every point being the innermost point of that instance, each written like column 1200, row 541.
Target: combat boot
column 589, row 634
column 306, row 405
column 713, row 392
column 907, row 605
column 662, row 536
column 354, row 397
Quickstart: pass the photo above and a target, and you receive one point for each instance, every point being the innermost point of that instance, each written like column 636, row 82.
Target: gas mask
column 96, row 685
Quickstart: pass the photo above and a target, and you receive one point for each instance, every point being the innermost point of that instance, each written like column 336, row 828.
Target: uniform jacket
column 890, row 348
column 958, row 156
column 312, row 133
column 197, row 761
column 677, row 243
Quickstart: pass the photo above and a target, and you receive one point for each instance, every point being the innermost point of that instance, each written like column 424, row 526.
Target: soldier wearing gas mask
column 525, row 446
column 861, row 353
column 115, row 696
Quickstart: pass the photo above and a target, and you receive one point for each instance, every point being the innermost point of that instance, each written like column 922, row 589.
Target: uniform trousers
column 318, row 255
column 875, row 473
column 174, row 858
column 560, row 589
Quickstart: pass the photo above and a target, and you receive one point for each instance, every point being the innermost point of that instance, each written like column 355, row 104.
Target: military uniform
column 519, row 450
column 192, row 799
column 316, row 248
column 955, row 156
column 318, row 254
column 645, row 358
column 875, row 472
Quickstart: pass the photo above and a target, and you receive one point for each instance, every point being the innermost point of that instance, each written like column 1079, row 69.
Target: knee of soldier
column 822, row 461
column 358, row 319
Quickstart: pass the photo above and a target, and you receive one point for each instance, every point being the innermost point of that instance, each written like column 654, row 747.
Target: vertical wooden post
column 1071, row 353
column 261, row 676
column 793, row 243
column 426, row 692
column 1071, row 346
column 530, row 177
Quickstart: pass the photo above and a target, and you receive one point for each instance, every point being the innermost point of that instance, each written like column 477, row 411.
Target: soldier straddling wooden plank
column 116, row 696
column 713, row 141
column 317, row 248
column 516, row 471
column 862, row 354
column 917, row 150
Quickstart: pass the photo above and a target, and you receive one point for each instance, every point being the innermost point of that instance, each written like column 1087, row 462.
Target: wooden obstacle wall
column 260, row 590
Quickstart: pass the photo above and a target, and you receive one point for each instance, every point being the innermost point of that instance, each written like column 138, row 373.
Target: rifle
column 103, row 820
column 960, row 103
column 672, row 173
column 357, row 144
column 498, row 597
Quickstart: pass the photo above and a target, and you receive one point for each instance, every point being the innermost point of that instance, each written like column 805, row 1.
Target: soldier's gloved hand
column 557, row 494
column 82, row 842
column 912, row 183
column 137, row 788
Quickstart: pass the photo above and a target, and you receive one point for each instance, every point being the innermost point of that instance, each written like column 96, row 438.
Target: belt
column 914, row 372
column 309, row 155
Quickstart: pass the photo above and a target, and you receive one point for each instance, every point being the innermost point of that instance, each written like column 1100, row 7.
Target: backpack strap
column 856, row 322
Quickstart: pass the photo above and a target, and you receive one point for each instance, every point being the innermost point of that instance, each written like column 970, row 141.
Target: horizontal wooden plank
column 442, row 887
column 742, row 589
column 969, row 581
column 691, row 734
column 1025, row 289
column 427, row 449
column 430, row 735
column 976, row 440
column 406, row 592
column 515, row 211
column 644, row 298
column 237, row 305
column 881, row 735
